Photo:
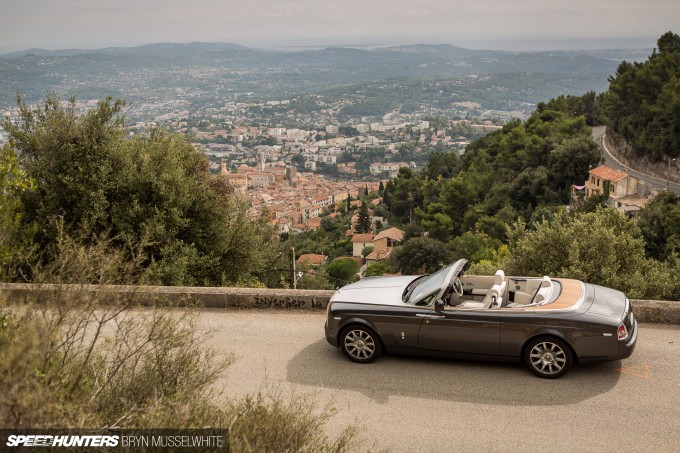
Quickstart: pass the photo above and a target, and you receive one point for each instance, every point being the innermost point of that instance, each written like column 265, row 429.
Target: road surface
column 429, row 405
column 611, row 161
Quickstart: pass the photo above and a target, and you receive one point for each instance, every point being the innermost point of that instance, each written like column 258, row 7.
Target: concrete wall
column 282, row 299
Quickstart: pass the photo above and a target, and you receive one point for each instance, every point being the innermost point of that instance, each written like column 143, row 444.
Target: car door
column 400, row 327
column 461, row 330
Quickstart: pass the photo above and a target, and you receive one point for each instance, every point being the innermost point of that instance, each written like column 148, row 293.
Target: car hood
column 375, row 290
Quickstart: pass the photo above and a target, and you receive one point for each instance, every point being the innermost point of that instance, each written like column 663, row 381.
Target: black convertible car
column 546, row 323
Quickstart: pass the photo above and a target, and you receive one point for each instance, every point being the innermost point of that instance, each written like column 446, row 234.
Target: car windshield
column 427, row 285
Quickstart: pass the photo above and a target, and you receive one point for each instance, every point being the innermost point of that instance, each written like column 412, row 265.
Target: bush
column 270, row 423
column 343, row 270
column 377, row 269
column 601, row 247
column 155, row 189
column 75, row 357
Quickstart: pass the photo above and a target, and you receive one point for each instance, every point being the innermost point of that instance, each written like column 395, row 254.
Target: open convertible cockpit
column 499, row 291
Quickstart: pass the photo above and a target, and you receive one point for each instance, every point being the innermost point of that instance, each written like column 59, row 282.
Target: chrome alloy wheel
column 548, row 358
column 359, row 344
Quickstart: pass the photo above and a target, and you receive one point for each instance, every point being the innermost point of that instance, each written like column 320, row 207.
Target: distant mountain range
column 158, row 71
column 196, row 49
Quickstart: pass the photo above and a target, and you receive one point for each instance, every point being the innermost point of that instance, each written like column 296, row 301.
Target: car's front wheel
column 360, row 344
column 548, row 357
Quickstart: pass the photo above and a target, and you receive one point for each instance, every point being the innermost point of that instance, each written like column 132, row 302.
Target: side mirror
column 439, row 304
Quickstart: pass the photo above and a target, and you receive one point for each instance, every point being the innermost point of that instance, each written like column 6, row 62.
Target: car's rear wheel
column 548, row 357
column 360, row 344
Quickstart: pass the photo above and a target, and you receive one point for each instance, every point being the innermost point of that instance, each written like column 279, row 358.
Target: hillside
column 212, row 71
column 643, row 101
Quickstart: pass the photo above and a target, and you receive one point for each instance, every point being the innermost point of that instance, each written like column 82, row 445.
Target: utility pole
column 293, row 280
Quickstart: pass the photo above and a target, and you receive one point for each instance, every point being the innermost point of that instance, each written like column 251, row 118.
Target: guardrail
column 653, row 311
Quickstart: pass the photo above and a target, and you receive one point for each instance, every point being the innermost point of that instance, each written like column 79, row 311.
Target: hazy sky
column 494, row 24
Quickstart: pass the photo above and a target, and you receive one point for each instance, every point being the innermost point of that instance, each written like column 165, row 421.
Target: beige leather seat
column 494, row 297
column 524, row 298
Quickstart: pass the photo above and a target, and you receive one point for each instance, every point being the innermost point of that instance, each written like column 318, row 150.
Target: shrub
column 78, row 357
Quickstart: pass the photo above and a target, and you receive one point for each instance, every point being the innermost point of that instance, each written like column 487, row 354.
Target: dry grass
column 76, row 358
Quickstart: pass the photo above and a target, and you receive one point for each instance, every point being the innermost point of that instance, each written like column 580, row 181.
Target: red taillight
column 622, row 332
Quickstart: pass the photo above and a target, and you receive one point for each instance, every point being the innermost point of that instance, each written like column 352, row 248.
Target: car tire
column 360, row 344
column 548, row 357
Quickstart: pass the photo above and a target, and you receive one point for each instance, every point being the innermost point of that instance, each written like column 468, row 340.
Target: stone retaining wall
column 211, row 297
column 282, row 299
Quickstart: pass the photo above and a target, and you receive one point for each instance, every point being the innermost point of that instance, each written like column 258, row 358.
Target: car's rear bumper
column 627, row 347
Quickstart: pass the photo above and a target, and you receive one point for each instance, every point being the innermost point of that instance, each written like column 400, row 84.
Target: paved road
column 429, row 405
column 611, row 161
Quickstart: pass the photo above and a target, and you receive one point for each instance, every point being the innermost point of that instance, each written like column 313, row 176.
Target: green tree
column 298, row 160
column 422, row 255
column 348, row 131
column 156, row 191
column 366, row 251
column 381, row 188
column 377, row 269
column 14, row 239
column 363, row 224
column 660, row 225
column 643, row 101
column 474, row 247
column 602, row 247
column 343, row 270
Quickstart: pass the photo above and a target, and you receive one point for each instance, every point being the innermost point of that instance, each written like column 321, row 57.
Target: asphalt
column 430, row 405
column 611, row 161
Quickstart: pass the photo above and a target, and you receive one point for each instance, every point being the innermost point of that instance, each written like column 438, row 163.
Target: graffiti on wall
column 286, row 302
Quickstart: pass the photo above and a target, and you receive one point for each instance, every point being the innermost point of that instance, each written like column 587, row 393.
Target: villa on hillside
column 359, row 241
column 624, row 192
column 312, row 260
column 383, row 243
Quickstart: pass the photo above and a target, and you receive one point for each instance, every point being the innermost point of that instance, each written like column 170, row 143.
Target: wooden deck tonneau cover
column 572, row 290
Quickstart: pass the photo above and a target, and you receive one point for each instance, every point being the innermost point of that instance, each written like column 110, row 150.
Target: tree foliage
column 602, row 247
column 343, row 270
column 363, row 224
column 377, row 269
column 14, row 240
column 660, row 225
column 643, row 101
column 421, row 255
column 502, row 176
column 155, row 190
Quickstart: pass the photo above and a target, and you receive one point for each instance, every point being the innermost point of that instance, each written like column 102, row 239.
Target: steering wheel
column 457, row 286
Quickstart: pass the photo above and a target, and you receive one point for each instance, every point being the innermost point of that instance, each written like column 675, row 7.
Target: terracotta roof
column 378, row 255
column 312, row 259
column 392, row 233
column 362, row 238
column 608, row 173
column 314, row 222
